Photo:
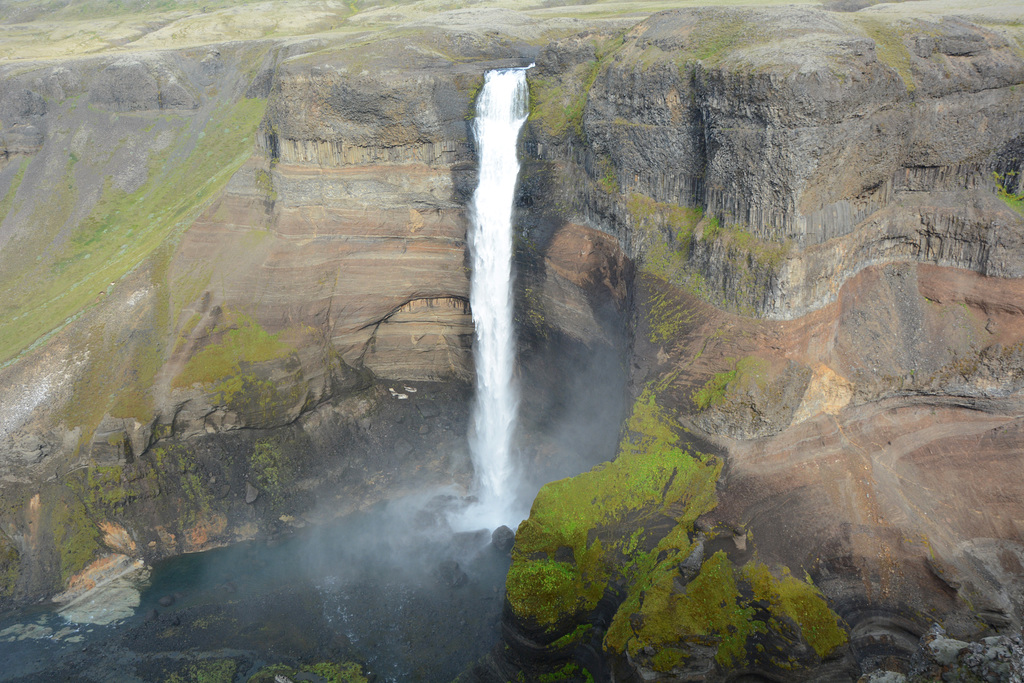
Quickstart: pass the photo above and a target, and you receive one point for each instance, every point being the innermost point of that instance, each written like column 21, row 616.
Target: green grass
column 122, row 230
column 889, row 48
column 242, row 342
column 1014, row 201
column 747, row 372
column 7, row 203
column 713, row 40
column 713, row 391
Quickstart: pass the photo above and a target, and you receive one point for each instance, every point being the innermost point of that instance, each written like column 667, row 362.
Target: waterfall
column 501, row 109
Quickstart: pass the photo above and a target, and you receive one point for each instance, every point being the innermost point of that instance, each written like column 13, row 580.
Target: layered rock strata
column 809, row 218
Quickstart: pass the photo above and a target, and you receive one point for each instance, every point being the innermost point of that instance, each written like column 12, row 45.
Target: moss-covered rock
column 624, row 534
column 572, row 545
column 332, row 672
column 9, row 565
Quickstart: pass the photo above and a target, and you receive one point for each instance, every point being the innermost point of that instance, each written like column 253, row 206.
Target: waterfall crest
column 501, row 109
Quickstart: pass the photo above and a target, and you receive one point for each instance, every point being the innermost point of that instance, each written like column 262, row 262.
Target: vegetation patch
column 331, row 672
column 712, row 40
column 177, row 475
column 7, row 203
column 1014, row 201
column 557, row 103
column 667, row 231
column 242, row 342
column 9, row 566
column 607, row 527
column 270, row 469
column 721, row 606
column 207, row 671
column 743, row 245
column 747, row 372
column 561, row 565
column 567, row 672
column 75, row 536
column 101, row 488
column 122, row 229
column 667, row 317
column 889, row 48
column 789, row 597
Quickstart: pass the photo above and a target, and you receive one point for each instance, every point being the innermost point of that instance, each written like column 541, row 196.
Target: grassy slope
column 42, row 285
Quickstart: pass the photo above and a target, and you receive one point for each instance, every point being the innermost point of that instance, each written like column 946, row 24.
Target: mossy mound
column 627, row 528
column 572, row 546
column 745, row 616
column 345, row 672
column 9, row 564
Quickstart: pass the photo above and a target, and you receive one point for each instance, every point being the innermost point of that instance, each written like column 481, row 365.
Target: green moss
column 801, row 602
column 667, row 317
column 75, row 537
column 1014, row 201
column 557, row 103
column 10, row 565
column 265, row 184
column 743, row 245
column 331, row 672
column 889, row 48
column 548, row 591
column 609, row 180
column 713, row 391
column 747, row 373
column 7, row 203
column 667, row 231
column 122, row 229
column 715, row 607
column 243, row 342
column 651, row 478
column 101, row 488
column 530, row 312
column 180, row 482
column 567, row 672
column 574, row 637
column 269, row 469
column 207, row 671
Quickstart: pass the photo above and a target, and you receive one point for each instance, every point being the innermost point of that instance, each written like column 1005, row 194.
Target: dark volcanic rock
column 503, row 538
column 451, row 575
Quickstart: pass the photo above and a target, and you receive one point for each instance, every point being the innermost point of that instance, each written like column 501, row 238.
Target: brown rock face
column 842, row 318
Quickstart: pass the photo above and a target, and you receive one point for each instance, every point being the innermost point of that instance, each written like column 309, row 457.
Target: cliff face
column 225, row 264
column 821, row 142
column 242, row 301
column 816, row 174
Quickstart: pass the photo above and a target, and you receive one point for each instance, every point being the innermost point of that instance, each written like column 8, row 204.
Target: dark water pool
column 379, row 588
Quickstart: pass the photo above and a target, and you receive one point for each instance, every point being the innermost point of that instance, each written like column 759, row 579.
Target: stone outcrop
column 822, row 143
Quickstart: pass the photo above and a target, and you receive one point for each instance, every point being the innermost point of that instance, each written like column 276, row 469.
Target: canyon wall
column 237, row 285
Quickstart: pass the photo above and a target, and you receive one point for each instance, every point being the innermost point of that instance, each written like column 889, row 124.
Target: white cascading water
column 501, row 109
